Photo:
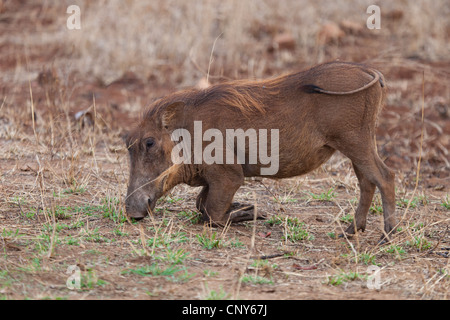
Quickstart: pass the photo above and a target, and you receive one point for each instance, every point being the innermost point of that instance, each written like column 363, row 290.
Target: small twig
column 274, row 196
column 134, row 248
column 142, row 236
column 20, row 207
column 344, row 234
column 252, row 246
column 211, row 57
column 420, row 150
column 309, row 267
column 437, row 244
column 266, row 257
column 52, row 239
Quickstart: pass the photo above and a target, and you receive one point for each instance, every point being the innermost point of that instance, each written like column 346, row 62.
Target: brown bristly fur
column 332, row 106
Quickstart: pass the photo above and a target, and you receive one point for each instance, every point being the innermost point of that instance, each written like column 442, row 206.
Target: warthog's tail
column 377, row 77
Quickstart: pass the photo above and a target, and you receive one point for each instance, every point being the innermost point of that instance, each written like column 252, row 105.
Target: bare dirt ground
column 63, row 180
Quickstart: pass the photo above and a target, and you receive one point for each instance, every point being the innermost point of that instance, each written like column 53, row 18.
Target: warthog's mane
column 244, row 95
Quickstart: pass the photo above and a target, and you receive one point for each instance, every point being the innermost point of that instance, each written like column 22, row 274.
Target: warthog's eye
column 150, row 142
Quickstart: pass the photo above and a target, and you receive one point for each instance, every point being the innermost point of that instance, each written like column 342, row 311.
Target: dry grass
column 63, row 181
column 172, row 40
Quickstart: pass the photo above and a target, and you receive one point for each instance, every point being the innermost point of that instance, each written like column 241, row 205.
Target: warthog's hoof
column 243, row 212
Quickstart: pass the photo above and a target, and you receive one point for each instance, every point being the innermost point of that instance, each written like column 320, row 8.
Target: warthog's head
column 149, row 146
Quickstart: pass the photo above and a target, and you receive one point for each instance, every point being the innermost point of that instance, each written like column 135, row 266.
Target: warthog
column 332, row 106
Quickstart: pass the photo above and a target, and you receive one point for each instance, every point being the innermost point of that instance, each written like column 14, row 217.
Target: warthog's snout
column 139, row 206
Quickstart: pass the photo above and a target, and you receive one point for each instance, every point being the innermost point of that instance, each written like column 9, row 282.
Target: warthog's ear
column 173, row 115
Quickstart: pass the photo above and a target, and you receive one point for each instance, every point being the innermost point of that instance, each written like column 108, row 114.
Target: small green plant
column 236, row 243
column 446, row 202
column 89, row 280
column 419, row 242
column 47, row 227
column 36, row 264
column 396, row 250
column 192, row 216
column 285, row 199
column 298, row 233
column 423, row 199
column 154, row 270
column 44, row 240
column 216, row 295
column 256, row 279
column 417, row 226
column 174, row 257
column 63, row 212
column 329, row 195
column 89, row 210
column 274, row 220
column 10, row 233
column 166, row 239
column 183, row 276
column 294, row 228
column 209, row 241
column 377, row 207
column 345, row 277
column 72, row 242
column 120, row 232
column 171, row 272
column 209, row 273
column 75, row 190
column 367, row 258
column 6, row 279
column 263, row 264
column 75, row 225
column 29, row 214
column 444, row 272
column 403, row 203
column 169, row 199
column 21, row 200
column 348, row 218
column 93, row 252
column 95, row 236
column 111, row 209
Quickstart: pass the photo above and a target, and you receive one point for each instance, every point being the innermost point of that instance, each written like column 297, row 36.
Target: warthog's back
column 249, row 96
